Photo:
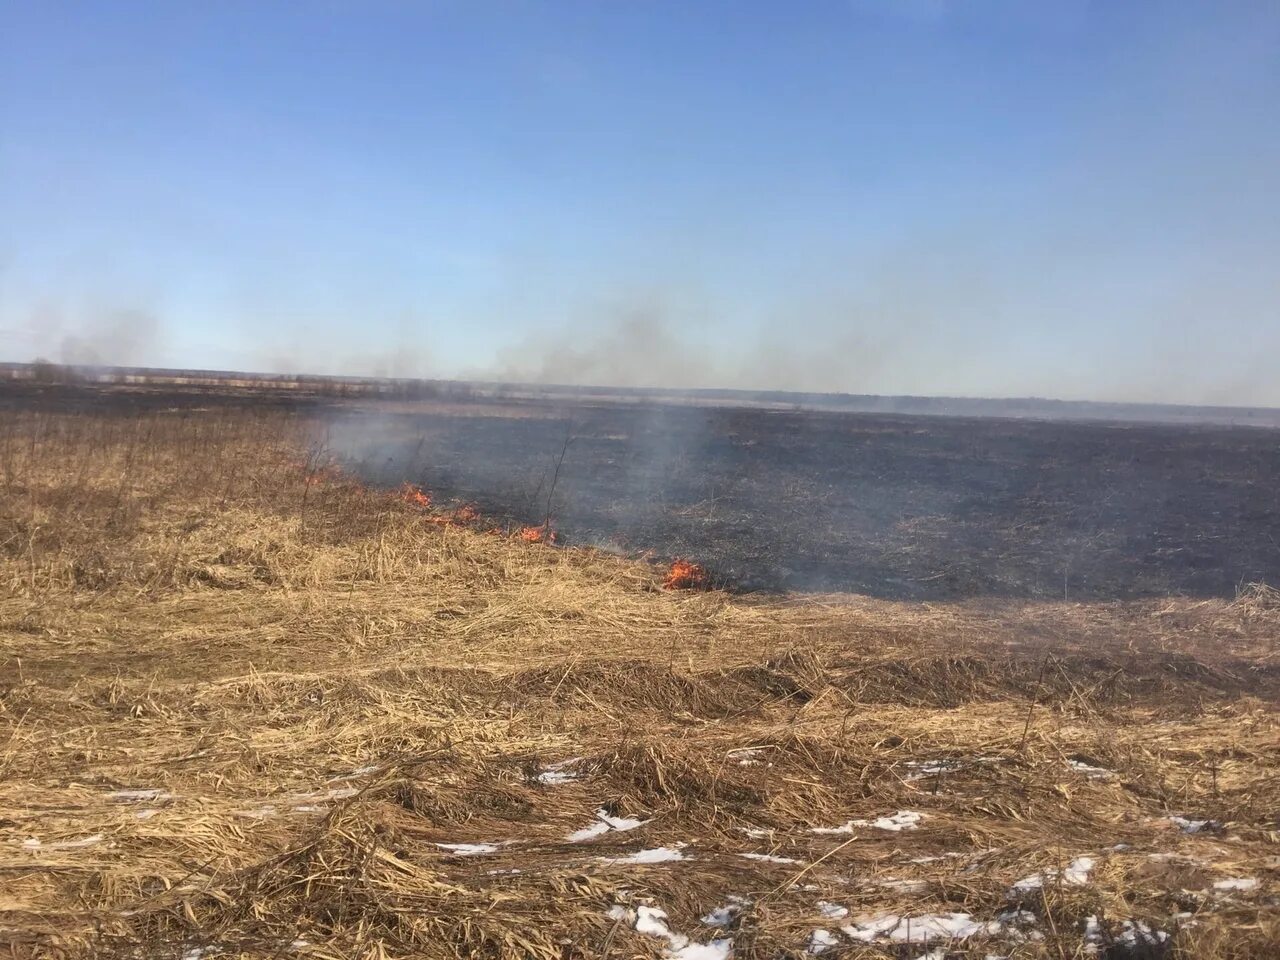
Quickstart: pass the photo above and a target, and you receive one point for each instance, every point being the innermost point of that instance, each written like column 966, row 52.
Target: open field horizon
column 328, row 386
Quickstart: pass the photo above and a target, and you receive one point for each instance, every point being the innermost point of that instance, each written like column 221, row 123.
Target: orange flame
column 685, row 575
column 415, row 495
column 539, row 534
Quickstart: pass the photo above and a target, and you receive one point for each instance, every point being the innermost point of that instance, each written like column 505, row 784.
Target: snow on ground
column 1075, row 874
column 1236, row 883
column 820, row 941
column 468, row 849
column 656, row 855
column 918, row 929
column 554, row 774
column 1133, row 934
column 1187, row 825
column 604, row 823
column 1092, row 772
column 723, row 916
column 832, row 911
column 652, row 922
column 768, row 858
column 34, row 843
column 902, row 820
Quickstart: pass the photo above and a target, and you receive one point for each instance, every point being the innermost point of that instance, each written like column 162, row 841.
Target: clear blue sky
column 971, row 197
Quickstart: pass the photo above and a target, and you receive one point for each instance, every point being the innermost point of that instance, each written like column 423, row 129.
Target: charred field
column 257, row 702
column 889, row 506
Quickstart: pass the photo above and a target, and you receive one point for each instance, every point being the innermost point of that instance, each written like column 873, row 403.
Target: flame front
column 539, row 534
column 685, row 575
column 416, row 496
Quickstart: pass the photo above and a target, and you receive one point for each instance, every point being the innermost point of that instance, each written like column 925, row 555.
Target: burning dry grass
column 252, row 709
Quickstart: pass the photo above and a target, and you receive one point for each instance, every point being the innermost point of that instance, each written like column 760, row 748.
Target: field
column 889, row 506
column 255, row 705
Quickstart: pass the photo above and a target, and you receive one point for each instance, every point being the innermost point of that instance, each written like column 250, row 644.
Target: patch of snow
column 597, row 829
column 832, row 911
column 604, row 823
column 1093, row 773
column 1193, row 826
column 820, row 941
column 468, row 849
column 918, row 929
column 930, row 768
column 1133, row 933
column 554, row 774
column 902, row 820
column 768, row 858
column 756, row 832
column 1076, row 874
column 723, row 916
column 153, row 794
column 656, row 855
column 652, row 922
column 146, row 814
column 33, row 843
column 260, row 813
column 1237, row 883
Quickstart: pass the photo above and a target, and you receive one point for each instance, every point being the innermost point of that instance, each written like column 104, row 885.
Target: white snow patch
column 723, row 916
column 1133, row 933
column 768, row 858
column 656, row 855
column 832, row 911
column 554, row 774
column 1193, row 826
column 652, row 922
column 931, row 768
column 1236, row 883
column 820, row 941
column 902, row 820
column 1076, row 874
column 918, row 929
column 146, row 814
column 469, row 849
column 604, row 823
column 1093, row 773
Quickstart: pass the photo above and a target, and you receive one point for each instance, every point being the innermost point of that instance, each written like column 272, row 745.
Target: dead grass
column 243, row 700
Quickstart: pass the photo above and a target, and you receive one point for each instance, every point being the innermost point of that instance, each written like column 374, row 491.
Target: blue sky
column 983, row 198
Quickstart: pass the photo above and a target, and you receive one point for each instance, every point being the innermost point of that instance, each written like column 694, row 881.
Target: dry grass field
column 252, row 708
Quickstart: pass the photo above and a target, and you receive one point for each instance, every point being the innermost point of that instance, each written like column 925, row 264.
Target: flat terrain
column 251, row 706
column 890, row 506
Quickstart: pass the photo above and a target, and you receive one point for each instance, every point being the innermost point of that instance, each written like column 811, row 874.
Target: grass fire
column 257, row 710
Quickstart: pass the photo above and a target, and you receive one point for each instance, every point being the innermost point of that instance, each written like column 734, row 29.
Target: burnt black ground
column 893, row 506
